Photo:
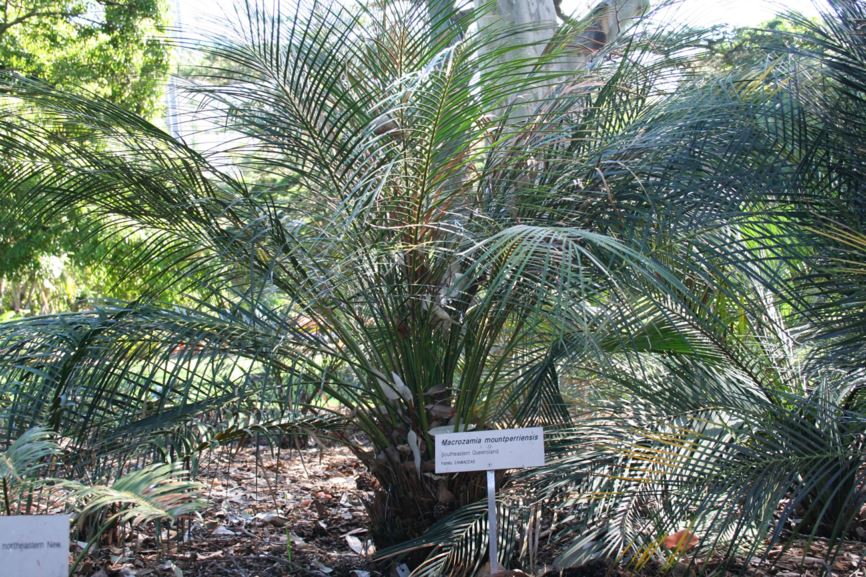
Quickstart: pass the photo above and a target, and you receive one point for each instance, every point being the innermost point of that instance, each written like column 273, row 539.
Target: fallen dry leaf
column 682, row 540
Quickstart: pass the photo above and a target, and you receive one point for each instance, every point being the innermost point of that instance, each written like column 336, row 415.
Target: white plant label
column 35, row 546
column 489, row 450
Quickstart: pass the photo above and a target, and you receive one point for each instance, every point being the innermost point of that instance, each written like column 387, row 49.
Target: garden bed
column 276, row 513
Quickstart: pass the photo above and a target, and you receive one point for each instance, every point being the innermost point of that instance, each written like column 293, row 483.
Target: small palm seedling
column 19, row 465
column 155, row 493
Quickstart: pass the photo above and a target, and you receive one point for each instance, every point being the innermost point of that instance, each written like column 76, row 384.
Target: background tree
column 106, row 48
column 110, row 49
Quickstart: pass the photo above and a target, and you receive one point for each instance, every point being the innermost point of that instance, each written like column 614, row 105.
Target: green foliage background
column 110, row 49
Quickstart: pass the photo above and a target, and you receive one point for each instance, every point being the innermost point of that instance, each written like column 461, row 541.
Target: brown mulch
column 794, row 561
column 270, row 514
column 301, row 513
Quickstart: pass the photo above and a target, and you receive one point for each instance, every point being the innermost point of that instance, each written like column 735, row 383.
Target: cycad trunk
column 405, row 504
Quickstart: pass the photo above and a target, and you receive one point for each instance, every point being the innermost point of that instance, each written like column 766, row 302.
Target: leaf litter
column 301, row 513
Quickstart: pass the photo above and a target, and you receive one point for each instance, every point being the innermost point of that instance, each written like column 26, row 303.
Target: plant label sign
column 489, row 450
column 34, row 545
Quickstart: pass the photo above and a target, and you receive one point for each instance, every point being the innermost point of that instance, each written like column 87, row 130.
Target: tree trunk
column 523, row 28
column 16, row 296
column 531, row 29
column 405, row 504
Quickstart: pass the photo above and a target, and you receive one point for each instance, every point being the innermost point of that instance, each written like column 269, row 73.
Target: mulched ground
column 270, row 514
column 301, row 513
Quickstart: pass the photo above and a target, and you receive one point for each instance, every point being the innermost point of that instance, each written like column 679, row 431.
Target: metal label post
column 491, row 521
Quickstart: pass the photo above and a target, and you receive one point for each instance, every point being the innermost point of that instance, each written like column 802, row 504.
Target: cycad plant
column 413, row 258
column 732, row 458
